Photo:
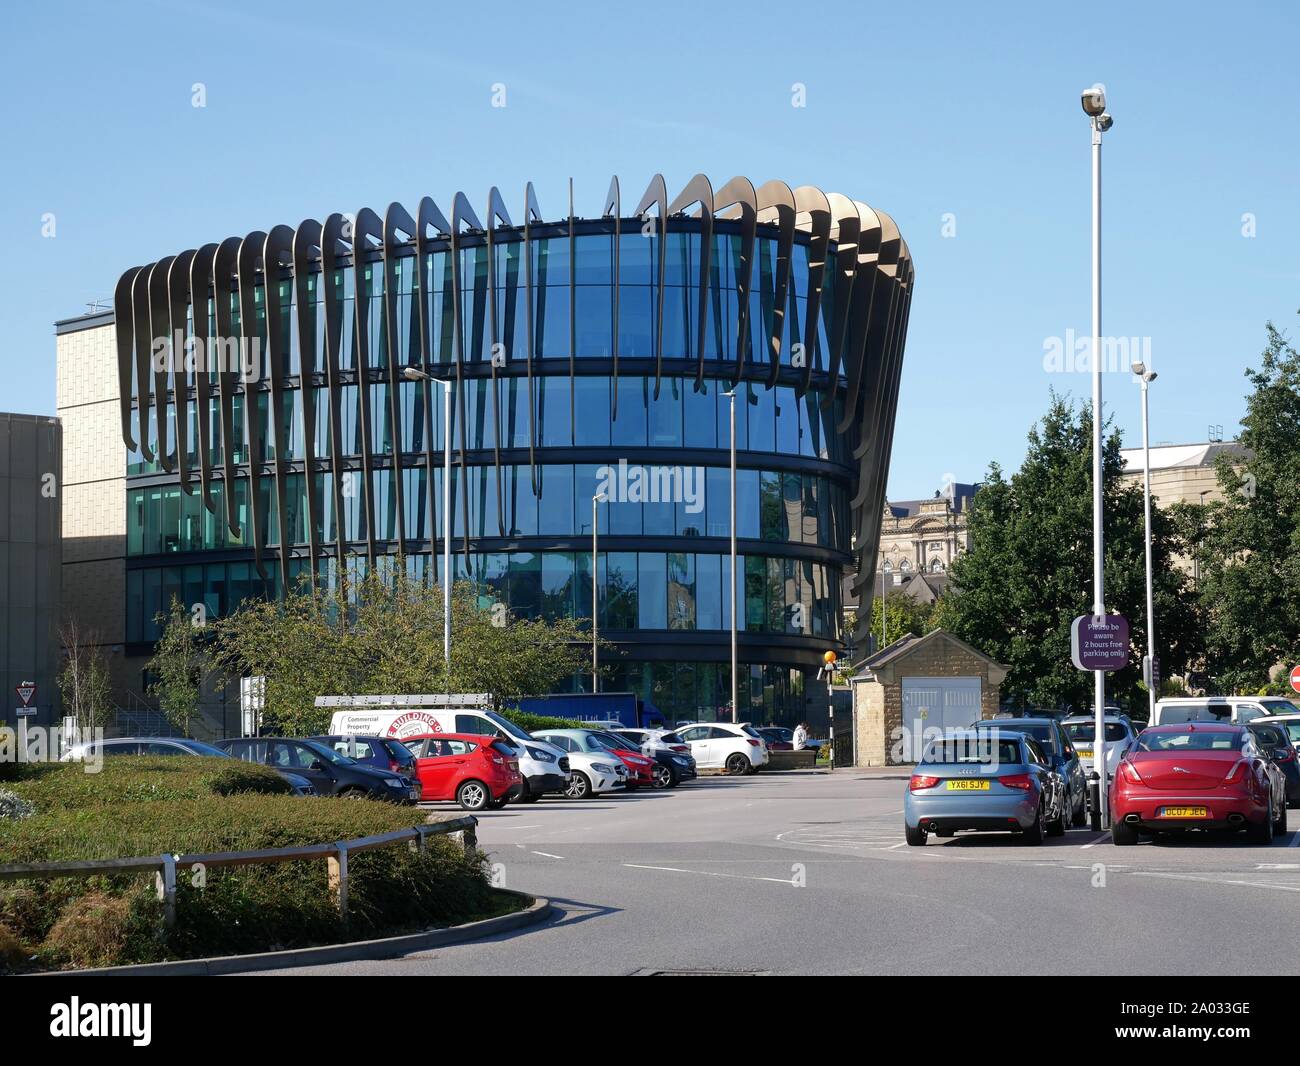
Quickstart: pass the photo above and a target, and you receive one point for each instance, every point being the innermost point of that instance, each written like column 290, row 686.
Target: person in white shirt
column 800, row 736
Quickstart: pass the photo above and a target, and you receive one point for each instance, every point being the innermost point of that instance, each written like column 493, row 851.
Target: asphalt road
column 808, row 873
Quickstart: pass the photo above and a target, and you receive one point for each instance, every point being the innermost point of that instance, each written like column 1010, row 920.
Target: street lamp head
column 1138, row 367
column 1094, row 101
column 415, row 374
column 598, row 498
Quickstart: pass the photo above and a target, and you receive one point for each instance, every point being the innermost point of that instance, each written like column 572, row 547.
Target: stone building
column 924, row 535
column 916, row 686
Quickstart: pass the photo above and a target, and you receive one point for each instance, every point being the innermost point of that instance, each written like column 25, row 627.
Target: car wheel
column 1081, row 812
column 1263, row 832
column 737, row 764
column 1057, row 826
column 1280, row 825
column 915, row 835
column 1122, row 834
column 473, row 795
column 579, row 786
column 1034, row 834
column 521, row 794
column 664, row 777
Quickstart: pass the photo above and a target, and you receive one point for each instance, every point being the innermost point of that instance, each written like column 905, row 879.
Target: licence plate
column 1182, row 812
column 414, row 795
column 968, row 786
column 1083, row 753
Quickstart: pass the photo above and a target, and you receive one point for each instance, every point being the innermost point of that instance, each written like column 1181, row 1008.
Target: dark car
column 1275, row 743
column 1052, row 738
column 671, row 767
column 381, row 753
column 172, row 746
column 331, row 773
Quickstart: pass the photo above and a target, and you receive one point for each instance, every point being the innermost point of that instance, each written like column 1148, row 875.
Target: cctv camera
column 1094, row 101
column 1105, row 122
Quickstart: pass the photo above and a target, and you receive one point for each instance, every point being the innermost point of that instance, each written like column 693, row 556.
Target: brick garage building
column 918, row 685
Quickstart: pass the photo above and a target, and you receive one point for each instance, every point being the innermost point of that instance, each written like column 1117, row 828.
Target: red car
column 476, row 771
column 640, row 768
column 1197, row 775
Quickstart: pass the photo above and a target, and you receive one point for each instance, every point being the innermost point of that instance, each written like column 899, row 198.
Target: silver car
column 994, row 780
column 1082, row 731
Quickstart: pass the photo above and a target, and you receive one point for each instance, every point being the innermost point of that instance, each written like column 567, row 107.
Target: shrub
column 12, row 952
column 14, row 806
column 92, row 930
column 175, row 805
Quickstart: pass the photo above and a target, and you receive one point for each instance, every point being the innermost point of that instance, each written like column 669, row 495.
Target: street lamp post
column 735, row 680
column 413, row 374
column 1094, row 106
column 595, row 570
column 1147, row 376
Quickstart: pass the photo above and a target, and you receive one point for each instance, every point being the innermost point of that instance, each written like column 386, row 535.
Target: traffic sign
column 25, row 712
column 26, row 690
column 1295, row 678
column 1099, row 643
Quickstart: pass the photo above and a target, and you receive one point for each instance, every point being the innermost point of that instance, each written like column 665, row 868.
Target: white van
column 1232, row 710
column 543, row 767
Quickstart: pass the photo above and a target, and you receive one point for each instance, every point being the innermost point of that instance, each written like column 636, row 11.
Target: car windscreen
column 327, row 753
column 983, row 749
column 398, row 752
column 1198, row 740
column 199, row 748
column 506, row 726
column 1178, row 713
column 616, row 743
column 1086, row 732
column 1292, row 727
column 1279, row 706
column 1040, row 731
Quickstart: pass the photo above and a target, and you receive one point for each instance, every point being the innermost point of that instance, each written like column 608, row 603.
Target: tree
column 1028, row 573
column 896, row 614
column 1250, row 553
column 84, row 683
column 178, row 667
column 384, row 634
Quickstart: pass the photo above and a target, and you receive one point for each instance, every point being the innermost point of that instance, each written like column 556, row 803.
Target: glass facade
column 616, row 395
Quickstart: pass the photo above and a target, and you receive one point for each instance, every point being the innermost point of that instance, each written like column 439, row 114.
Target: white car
column 1082, row 732
column 1233, row 710
column 738, row 749
column 589, row 773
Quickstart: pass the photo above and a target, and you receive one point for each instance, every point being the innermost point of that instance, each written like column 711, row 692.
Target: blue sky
column 923, row 110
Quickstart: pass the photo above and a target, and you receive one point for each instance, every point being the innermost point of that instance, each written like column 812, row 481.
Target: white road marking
column 708, row 873
column 1218, row 881
column 1295, row 840
column 547, row 855
column 1097, row 840
column 1277, row 866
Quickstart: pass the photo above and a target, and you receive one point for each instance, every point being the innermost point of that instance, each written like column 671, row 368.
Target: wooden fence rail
column 461, row 829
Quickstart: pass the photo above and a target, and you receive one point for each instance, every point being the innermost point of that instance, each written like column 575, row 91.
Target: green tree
column 178, row 668
column 384, row 634
column 896, row 614
column 1028, row 572
column 1250, row 551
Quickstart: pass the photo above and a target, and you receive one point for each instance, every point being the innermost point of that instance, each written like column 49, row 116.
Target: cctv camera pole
column 1095, row 107
column 1147, row 376
column 595, row 569
column 735, row 622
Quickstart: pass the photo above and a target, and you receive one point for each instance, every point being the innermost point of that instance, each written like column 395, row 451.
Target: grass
column 177, row 805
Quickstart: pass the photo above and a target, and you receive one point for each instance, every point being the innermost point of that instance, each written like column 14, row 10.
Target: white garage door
column 939, row 703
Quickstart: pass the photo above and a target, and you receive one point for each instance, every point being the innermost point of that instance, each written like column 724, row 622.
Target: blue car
column 994, row 780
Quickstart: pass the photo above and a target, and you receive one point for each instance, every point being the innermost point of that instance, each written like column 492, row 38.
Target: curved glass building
column 273, row 436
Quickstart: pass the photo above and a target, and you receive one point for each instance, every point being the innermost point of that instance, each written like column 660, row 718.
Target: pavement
column 807, row 873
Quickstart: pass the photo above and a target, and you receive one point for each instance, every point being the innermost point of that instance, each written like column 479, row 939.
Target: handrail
column 462, row 829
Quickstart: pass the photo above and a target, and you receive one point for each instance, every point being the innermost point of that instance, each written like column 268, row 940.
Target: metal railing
column 336, row 855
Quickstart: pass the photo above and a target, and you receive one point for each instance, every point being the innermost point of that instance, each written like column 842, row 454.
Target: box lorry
column 625, row 708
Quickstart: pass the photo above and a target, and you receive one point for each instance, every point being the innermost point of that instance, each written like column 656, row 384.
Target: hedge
column 180, row 805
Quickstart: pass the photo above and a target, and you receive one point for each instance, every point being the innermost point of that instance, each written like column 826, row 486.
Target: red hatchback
column 474, row 770
column 1198, row 775
column 640, row 768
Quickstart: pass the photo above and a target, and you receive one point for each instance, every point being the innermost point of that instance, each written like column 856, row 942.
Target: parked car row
column 1025, row 776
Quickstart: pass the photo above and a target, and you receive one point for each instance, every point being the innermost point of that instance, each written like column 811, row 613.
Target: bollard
column 1094, row 800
